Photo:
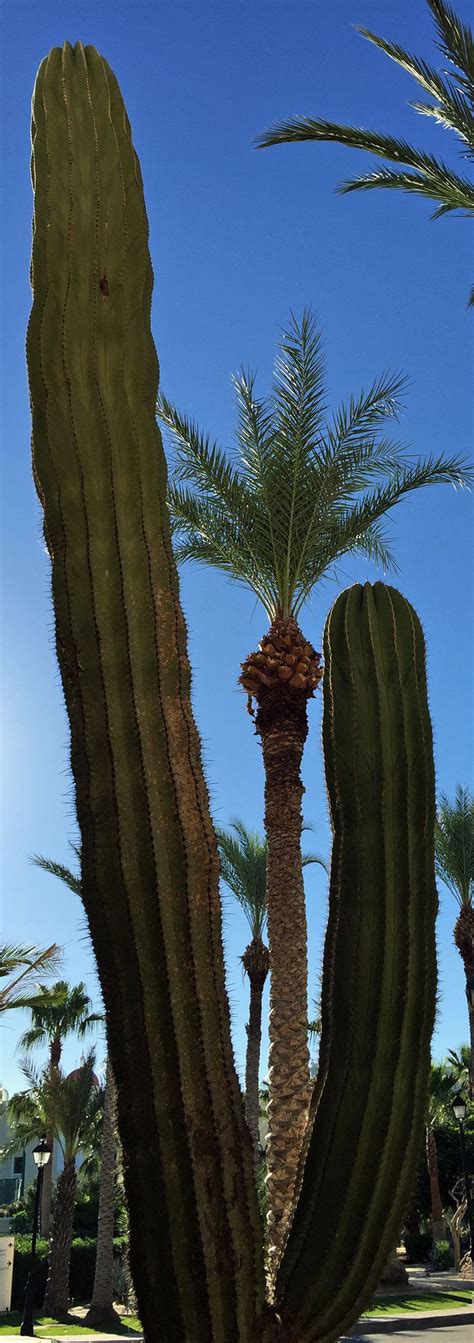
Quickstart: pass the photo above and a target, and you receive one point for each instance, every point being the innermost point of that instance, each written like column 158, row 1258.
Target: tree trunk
column 56, row 1301
column 101, row 1313
column 394, row 1274
column 464, row 940
column 252, row 1062
column 282, row 724
column 469, row 973
column 437, row 1218
column 47, row 1188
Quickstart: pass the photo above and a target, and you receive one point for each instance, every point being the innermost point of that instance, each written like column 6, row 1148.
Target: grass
column 407, row 1303
column 45, row 1326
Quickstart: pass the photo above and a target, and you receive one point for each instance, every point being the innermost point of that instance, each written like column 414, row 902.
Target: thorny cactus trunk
column 150, row 867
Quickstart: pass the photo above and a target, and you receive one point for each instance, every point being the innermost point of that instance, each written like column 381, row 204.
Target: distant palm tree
column 452, row 107
column 58, row 1011
column 454, row 852
column 243, row 861
column 67, row 1104
column 277, row 516
column 25, row 964
column 101, row 1314
column 440, row 1097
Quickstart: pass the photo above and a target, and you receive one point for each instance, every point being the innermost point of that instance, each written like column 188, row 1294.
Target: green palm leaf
column 452, row 108
column 454, row 841
column 298, row 492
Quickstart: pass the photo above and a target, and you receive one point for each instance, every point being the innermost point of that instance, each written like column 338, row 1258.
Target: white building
column 19, row 1171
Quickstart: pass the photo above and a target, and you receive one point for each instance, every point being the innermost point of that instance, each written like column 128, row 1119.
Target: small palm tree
column 454, row 841
column 61, row 1010
column 101, row 1314
column 299, row 494
column 440, row 1097
column 243, row 861
column 452, row 107
column 67, row 1106
column 58, row 1011
column 25, row 964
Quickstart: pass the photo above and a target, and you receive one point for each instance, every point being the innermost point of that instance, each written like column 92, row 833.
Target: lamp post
column 41, row 1155
column 459, row 1108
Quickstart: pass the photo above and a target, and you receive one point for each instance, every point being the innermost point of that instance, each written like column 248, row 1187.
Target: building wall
column 11, row 1170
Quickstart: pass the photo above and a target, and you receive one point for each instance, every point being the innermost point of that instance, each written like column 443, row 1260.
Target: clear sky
column 237, row 238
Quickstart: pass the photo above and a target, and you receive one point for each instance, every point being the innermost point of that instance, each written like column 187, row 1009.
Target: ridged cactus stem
column 379, row 980
column 150, row 868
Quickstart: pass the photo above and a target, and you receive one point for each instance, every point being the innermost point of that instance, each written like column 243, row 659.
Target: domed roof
column 76, row 1072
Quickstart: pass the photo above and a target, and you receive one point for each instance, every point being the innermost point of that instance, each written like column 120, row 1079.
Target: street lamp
column 41, row 1155
column 459, row 1109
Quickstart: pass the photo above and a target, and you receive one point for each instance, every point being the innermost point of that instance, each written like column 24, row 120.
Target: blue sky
column 237, row 239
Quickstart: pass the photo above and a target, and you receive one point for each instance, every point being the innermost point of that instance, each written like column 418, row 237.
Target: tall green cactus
column 150, row 871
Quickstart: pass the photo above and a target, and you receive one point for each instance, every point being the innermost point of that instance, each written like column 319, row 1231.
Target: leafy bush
column 82, row 1268
column 418, row 1246
column 442, row 1256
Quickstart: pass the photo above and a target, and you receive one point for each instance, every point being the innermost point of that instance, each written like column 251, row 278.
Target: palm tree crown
column 301, row 491
column 455, row 845
column 452, row 107
column 58, row 1010
column 243, row 863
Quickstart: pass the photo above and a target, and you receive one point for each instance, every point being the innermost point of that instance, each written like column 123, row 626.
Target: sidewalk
column 420, row 1281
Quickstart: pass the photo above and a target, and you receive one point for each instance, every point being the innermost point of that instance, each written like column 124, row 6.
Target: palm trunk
column 256, row 962
column 56, row 1301
column 394, row 1274
column 47, row 1189
column 283, row 727
column 101, row 1314
column 464, row 940
column 437, row 1218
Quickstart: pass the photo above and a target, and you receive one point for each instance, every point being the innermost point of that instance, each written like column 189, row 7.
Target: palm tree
column 452, row 107
column 101, row 1314
column 438, row 1110
column 454, row 841
column 25, row 964
column 67, row 1106
column 58, row 1011
column 299, row 494
column 243, row 861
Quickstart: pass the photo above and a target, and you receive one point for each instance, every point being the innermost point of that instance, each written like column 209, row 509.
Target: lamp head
column 41, row 1153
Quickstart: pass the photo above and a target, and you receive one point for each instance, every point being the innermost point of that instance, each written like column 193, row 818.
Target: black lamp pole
column 458, row 1108
column 41, row 1156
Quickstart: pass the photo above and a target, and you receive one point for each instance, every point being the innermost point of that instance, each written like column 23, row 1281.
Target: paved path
column 463, row 1333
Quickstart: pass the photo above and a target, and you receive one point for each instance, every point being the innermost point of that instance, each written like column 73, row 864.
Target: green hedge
column 82, row 1268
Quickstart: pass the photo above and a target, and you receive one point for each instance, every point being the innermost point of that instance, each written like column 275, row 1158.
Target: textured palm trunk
column 282, row 724
column 437, row 1218
column 101, row 1314
column 281, row 676
column 47, row 1187
column 464, row 940
column 256, row 961
column 394, row 1274
column 56, row 1301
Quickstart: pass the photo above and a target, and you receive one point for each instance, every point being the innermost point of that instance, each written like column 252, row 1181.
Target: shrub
column 418, row 1246
column 82, row 1268
column 442, row 1255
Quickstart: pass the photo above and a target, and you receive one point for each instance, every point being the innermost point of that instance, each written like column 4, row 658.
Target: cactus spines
column 379, row 964
column 150, row 868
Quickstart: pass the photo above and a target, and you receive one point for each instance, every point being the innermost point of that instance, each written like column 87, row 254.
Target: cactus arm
column 150, row 869
column 380, row 973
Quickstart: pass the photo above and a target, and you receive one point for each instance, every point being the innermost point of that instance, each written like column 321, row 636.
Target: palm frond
column 32, row 962
column 455, row 39
column 71, row 879
column 455, row 107
column 454, row 844
column 435, row 181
